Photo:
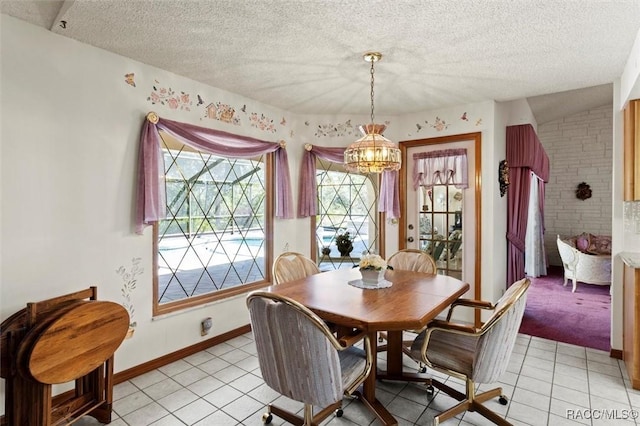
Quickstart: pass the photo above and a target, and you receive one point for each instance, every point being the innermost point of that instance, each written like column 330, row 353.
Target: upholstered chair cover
column 583, row 267
column 290, row 266
column 298, row 355
column 412, row 260
column 474, row 355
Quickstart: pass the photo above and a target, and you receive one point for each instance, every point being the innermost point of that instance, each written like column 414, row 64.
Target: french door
column 442, row 219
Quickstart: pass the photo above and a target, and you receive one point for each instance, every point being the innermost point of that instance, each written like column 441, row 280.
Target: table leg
column 368, row 396
column 394, row 362
column 394, row 353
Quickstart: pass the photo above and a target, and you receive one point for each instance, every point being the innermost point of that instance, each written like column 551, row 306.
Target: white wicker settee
column 586, row 258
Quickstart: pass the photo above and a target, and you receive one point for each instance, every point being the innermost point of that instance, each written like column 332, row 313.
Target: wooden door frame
column 476, row 137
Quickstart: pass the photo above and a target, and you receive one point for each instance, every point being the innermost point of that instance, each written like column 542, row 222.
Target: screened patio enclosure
column 213, row 237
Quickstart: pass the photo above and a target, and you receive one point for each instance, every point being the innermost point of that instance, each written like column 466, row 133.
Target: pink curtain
column 151, row 204
column 389, row 200
column 525, row 154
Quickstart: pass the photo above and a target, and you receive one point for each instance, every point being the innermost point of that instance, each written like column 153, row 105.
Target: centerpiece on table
column 372, row 268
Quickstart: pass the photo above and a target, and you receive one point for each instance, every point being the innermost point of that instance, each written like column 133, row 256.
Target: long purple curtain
column 151, row 204
column 525, row 154
column 308, row 190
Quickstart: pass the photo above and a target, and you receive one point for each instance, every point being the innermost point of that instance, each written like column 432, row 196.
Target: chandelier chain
column 372, row 79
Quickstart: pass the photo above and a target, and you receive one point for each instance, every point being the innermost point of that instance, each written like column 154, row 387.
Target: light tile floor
column 547, row 383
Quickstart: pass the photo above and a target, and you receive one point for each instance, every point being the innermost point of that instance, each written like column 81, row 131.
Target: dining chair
column 475, row 355
column 409, row 260
column 412, row 260
column 291, row 266
column 301, row 359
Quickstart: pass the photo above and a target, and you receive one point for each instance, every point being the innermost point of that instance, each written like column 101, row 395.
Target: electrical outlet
column 205, row 326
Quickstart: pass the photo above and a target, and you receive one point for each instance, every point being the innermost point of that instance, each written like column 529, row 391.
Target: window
column 213, row 242
column 346, row 204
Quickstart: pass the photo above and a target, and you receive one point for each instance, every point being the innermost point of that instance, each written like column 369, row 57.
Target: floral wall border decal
column 129, row 281
column 334, row 129
column 440, row 124
column 262, row 122
column 167, row 96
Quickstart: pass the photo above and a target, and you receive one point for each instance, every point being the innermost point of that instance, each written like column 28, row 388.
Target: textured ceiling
column 305, row 56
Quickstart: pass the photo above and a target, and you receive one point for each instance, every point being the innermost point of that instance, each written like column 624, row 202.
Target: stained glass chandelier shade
column 372, row 153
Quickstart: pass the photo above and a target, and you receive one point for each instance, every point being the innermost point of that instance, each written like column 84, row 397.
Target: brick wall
column 580, row 150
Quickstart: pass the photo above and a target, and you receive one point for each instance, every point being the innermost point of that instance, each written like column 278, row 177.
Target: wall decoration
column 128, row 78
column 335, row 130
column 222, row 112
column 129, row 282
column 464, row 117
column 503, row 177
column 283, row 122
column 262, row 122
column 439, row 125
column 166, row 96
column 200, row 101
column 479, row 122
column 583, row 191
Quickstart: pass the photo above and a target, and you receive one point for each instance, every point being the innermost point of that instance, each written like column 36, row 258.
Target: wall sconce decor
column 503, row 177
column 583, row 191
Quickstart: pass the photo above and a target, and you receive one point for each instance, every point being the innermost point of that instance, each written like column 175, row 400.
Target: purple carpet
column 553, row 312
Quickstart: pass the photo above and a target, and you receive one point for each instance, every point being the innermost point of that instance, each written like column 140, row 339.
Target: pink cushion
column 583, row 243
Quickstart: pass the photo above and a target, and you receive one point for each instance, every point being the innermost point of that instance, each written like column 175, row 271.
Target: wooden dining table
column 413, row 299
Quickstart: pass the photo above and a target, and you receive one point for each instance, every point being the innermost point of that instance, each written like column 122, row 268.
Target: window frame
column 199, row 300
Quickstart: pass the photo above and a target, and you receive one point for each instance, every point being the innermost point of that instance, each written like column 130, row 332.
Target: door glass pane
column 441, row 227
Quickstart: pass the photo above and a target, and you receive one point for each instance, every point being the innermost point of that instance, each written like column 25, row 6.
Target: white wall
column 580, row 149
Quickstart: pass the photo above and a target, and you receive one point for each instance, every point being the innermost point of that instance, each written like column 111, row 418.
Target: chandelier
column 372, row 153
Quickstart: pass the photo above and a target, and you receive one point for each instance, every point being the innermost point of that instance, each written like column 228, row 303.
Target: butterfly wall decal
column 128, row 78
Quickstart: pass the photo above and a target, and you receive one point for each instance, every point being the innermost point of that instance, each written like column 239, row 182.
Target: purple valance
column 308, row 190
column 151, row 204
column 447, row 166
column 525, row 150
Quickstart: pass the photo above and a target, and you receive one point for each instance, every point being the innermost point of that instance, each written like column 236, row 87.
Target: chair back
column 569, row 255
column 412, row 260
column 296, row 355
column 498, row 335
column 290, row 266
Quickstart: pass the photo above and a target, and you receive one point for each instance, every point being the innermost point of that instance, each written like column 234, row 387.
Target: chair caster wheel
column 339, row 412
column 430, row 390
column 503, row 400
column 266, row 418
column 422, row 370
